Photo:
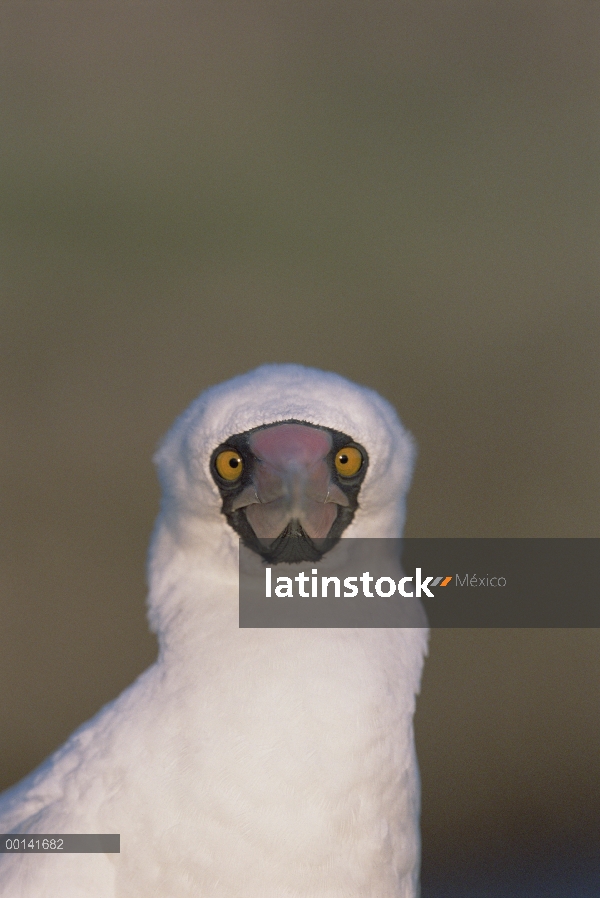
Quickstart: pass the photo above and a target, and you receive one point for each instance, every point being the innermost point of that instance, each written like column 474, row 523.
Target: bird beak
column 291, row 482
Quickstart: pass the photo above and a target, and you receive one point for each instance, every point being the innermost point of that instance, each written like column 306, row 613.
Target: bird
column 254, row 762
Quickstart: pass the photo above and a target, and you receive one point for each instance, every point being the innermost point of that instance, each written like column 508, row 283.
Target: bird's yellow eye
column 348, row 461
column 229, row 465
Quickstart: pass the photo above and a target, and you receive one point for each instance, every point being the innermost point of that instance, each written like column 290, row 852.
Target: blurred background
column 403, row 192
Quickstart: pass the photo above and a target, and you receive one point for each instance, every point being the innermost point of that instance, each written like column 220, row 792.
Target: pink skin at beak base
column 292, row 480
column 283, row 444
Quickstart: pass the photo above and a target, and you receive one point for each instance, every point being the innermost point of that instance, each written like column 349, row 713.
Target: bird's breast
column 298, row 746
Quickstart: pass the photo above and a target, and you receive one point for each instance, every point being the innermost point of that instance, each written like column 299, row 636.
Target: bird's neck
column 193, row 580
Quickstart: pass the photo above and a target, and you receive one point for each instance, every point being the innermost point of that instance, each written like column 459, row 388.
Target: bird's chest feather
column 300, row 695
column 292, row 744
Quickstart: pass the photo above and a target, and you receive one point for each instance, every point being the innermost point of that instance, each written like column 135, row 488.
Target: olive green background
column 403, row 192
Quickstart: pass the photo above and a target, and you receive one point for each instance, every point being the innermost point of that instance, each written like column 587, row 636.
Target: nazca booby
column 260, row 763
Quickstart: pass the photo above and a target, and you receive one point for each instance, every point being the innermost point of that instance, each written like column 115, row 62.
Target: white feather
column 254, row 763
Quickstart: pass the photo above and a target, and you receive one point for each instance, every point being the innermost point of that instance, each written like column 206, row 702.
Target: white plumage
column 254, row 763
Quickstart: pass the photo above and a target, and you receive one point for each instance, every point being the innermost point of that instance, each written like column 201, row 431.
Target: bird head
column 289, row 489
column 290, row 460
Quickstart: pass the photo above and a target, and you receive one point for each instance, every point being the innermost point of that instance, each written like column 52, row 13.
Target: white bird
column 260, row 763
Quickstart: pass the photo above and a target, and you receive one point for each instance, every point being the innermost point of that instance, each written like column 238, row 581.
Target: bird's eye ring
column 348, row 461
column 229, row 465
